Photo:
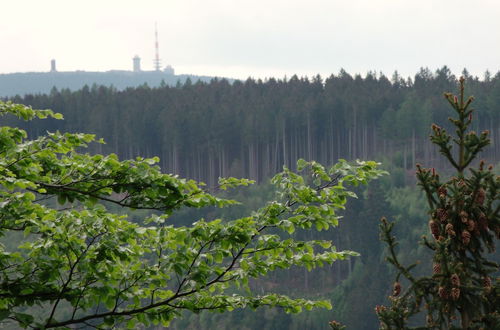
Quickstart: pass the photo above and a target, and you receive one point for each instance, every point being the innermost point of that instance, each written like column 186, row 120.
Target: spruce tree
column 464, row 222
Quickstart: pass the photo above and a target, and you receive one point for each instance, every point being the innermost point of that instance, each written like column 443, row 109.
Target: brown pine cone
column 434, row 227
column 442, row 192
column 471, row 225
column 396, row 289
column 465, row 237
column 449, row 230
column 481, row 195
column 442, row 214
column 436, row 268
column 443, row 293
column 464, row 216
column 483, row 222
column 487, row 284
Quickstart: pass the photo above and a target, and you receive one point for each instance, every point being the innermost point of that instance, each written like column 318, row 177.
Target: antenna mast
column 157, row 60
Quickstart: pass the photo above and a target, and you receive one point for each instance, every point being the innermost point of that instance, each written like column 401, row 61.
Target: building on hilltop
column 53, row 66
column 137, row 63
column 169, row 70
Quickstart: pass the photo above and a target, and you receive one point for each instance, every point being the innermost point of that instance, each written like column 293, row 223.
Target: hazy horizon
column 285, row 76
column 259, row 39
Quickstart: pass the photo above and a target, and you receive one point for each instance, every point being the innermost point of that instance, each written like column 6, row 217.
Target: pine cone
column 436, row 268
column 434, row 227
column 442, row 192
column 449, row 230
column 396, row 289
column 471, row 225
column 464, row 216
column 455, row 280
column 483, row 222
column 481, row 195
column 443, row 293
column 455, row 293
column 442, row 214
column 487, row 284
column 465, row 237
column 436, row 129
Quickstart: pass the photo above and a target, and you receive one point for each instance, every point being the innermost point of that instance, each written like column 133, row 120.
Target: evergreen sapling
column 464, row 223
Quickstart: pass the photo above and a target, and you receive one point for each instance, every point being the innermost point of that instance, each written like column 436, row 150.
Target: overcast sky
column 258, row 38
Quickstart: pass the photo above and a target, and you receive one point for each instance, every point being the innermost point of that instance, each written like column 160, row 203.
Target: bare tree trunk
column 284, row 145
column 309, row 140
column 338, row 145
column 413, row 146
column 275, row 166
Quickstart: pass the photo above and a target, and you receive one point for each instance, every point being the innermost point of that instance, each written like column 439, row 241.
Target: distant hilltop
column 23, row 83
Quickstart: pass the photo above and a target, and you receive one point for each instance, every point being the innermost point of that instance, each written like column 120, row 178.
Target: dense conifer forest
column 252, row 128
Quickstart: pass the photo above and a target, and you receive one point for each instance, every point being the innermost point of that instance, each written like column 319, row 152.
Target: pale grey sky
column 258, row 38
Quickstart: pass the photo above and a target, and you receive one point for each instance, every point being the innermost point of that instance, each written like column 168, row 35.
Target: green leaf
column 61, row 199
column 140, row 230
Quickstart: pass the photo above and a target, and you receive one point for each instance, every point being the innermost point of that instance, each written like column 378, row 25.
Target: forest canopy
column 203, row 130
column 250, row 128
column 68, row 259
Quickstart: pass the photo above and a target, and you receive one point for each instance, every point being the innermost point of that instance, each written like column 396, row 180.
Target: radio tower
column 157, row 60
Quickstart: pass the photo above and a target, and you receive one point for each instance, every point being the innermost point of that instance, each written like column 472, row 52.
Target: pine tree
column 464, row 220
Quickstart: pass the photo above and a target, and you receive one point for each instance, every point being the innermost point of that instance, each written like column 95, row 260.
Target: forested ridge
column 252, row 128
column 21, row 83
column 203, row 130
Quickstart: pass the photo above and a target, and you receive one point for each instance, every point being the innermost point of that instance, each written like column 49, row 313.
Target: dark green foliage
column 203, row 130
column 464, row 213
column 354, row 287
column 249, row 129
column 81, row 264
